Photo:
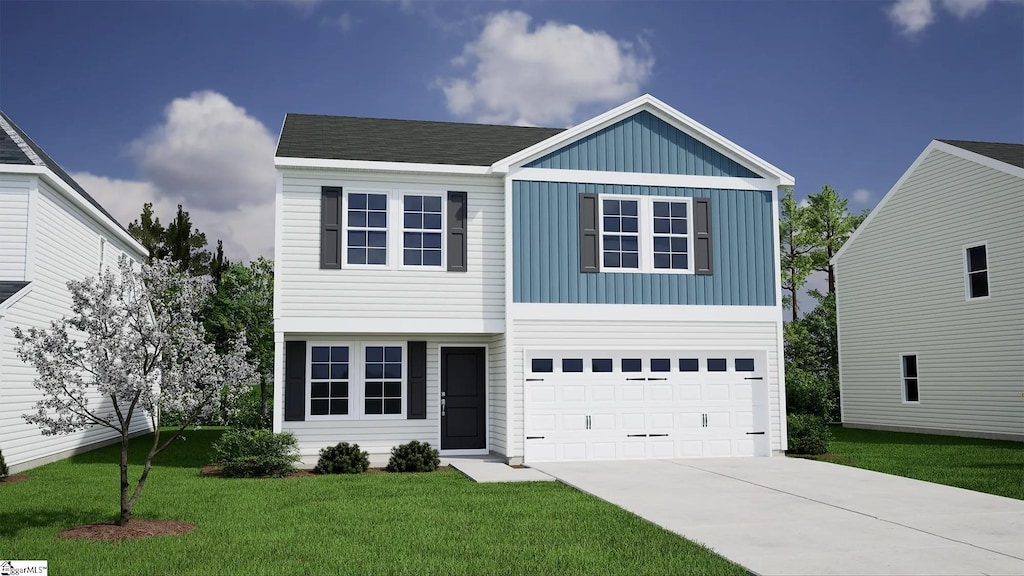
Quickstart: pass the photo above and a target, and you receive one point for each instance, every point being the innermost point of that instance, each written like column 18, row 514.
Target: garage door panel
column 688, row 411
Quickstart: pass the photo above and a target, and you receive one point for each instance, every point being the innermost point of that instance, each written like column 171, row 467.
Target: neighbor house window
column 909, row 370
column 422, row 230
column 646, row 234
column 356, row 380
column 976, row 260
column 620, row 234
column 367, row 236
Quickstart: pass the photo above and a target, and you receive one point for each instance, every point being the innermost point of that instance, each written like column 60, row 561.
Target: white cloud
column 212, row 158
column 344, row 21
column 912, row 16
column 803, row 203
column 862, row 196
column 541, row 76
column 965, row 8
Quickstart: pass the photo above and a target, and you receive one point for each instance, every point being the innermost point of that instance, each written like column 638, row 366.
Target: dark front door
column 463, row 410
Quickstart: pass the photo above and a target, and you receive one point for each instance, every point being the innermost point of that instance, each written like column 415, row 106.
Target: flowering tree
column 132, row 349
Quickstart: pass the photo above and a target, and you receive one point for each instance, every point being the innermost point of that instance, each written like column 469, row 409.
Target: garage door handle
column 636, row 435
column 650, row 379
column 534, row 437
column 656, row 435
column 755, row 433
column 632, row 379
column 754, row 378
column 534, row 379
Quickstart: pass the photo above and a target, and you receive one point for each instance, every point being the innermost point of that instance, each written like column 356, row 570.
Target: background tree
column 134, row 347
column 244, row 303
column 812, row 361
column 797, row 245
column 831, row 225
column 179, row 241
column 149, row 232
column 218, row 264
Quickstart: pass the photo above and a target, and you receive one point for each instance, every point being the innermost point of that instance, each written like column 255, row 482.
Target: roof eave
column 379, row 166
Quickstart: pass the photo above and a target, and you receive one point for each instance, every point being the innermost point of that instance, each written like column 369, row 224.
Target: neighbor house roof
column 412, row 141
column 12, row 133
column 1012, row 154
column 8, row 289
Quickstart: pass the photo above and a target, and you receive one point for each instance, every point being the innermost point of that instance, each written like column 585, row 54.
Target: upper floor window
column 367, row 235
column 976, row 262
column 422, row 228
column 645, row 234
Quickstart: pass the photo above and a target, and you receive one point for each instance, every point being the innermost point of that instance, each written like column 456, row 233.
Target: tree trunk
column 831, row 272
column 126, row 508
column 793, row 291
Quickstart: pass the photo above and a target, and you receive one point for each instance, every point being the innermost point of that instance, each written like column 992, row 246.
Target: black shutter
column 417, row 406
column 457, row 215
column 702, row 232
column 294, row 380
column 589, row 230
column 330, row 227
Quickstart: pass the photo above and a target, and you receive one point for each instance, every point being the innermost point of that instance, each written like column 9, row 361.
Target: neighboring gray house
column 604, row 292
column 51, row 231
column 930, row 298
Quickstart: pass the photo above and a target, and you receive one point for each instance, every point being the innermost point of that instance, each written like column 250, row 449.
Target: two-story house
column 607, row 291
column 51, row 231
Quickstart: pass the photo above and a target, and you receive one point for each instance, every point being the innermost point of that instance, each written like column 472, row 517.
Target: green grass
column 992, row 466
column 438, row 523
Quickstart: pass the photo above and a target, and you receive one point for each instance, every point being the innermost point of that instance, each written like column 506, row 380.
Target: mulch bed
column 14, row 478
column 136, row 529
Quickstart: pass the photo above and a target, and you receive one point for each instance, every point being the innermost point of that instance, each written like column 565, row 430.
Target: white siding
column 13, row 225
column 901, row 289
column 304, row 291
column 496, row 390
column 643, row 335
column 378, row 436
column 66, row 247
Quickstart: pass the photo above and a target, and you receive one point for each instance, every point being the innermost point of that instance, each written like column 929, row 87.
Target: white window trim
column 645, row 233
column 356, row 380
column 389, row 241
column 443, row 231
column 967, row 272
column 903, row 378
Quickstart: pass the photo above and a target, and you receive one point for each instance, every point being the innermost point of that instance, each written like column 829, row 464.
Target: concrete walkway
column 793, row 516
column 491, row 469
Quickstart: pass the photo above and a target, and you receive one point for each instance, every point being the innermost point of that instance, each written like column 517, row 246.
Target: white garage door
column 599, row 405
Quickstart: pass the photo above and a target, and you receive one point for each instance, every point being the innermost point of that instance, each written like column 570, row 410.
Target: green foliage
column 249, row 453
column 808, row 434
column 4, row 471
column 185, row 245
column 414, row 457
column 250, row 411
column 344, row 458
column 812, row 361
column 797, row 244
column 830, row 225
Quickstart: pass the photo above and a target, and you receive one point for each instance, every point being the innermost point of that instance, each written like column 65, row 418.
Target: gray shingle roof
column 1012, row 154
column 416, row 141
column 51, row 164
column 8, row 289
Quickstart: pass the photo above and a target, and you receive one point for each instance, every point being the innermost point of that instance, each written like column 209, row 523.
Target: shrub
column 246, row 412
column 413, row 457
column 4, row 471
column 808, row 434
column 249, row 453
column 808, row 393
column 344, row 458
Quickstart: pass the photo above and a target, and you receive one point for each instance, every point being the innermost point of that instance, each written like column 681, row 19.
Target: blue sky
column 182, row 101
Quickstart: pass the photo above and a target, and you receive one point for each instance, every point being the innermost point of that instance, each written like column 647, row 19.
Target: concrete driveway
column 793, row 516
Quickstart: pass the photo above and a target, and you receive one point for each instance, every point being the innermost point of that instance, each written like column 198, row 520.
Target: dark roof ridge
column 489, row 124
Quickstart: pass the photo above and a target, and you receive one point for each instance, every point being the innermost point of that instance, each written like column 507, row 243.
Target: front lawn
column 439, row 523
column 993, row 466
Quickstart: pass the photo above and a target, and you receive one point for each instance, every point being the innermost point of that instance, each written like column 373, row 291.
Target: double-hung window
column 976, row 264
column 422, row 230
column 356, row 380
column 367, row 236
column 908, row 370
column 646, row 234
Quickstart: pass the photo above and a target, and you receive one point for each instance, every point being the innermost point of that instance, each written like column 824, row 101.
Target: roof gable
column 643, row 143
column 1012, row 154
column 407, row 141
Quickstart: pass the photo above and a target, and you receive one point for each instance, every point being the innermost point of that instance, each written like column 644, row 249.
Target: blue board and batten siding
column 546, row 259
column 643, row 143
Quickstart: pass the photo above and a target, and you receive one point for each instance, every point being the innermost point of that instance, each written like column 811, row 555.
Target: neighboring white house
column 930, row 298
column 51, row 231
column 609, row 291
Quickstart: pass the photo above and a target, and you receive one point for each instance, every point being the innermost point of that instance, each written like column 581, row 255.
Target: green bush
column 413, row 457
column 808, row 434
column 807, row 393
column 344, row 458
column 248, row 413
column 249, row 453
column 4, row 471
